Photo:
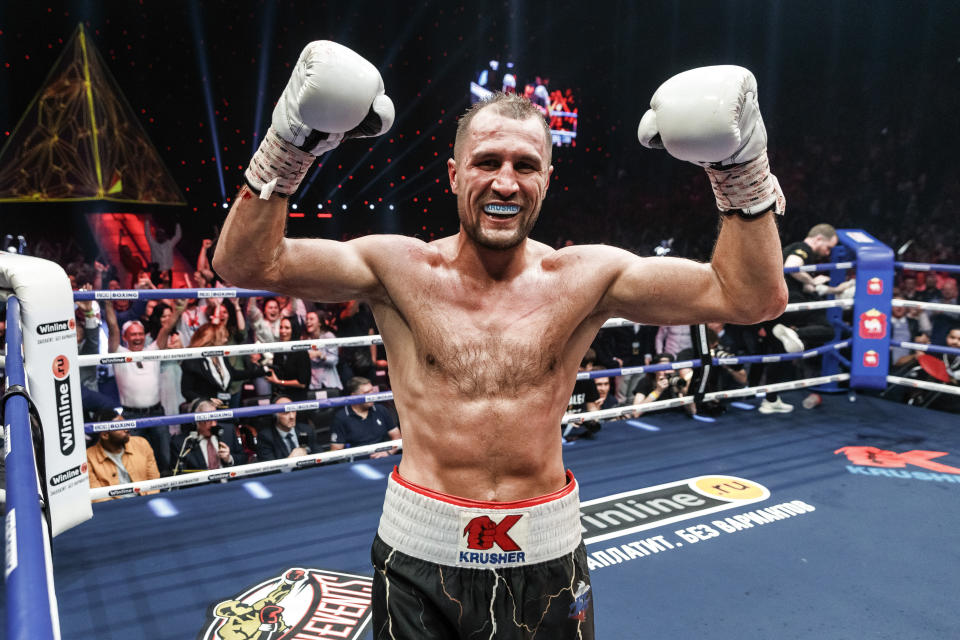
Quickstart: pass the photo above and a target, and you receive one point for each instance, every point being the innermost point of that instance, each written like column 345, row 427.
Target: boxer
column 484, row 329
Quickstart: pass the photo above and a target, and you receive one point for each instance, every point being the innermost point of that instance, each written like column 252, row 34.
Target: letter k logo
column 482, row 533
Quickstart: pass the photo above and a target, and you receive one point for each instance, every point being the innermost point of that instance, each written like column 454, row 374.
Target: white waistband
column 484, row 535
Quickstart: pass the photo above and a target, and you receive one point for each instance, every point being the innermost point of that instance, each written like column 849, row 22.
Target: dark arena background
column 847, row 520
column 860, row 101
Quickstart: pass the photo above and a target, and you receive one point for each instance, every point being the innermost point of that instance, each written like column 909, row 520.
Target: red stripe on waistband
column 480, row 504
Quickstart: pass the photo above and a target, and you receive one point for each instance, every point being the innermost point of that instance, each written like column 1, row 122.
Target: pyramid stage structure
column 78, row 149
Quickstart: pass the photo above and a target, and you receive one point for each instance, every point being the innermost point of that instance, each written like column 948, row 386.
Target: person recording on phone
column 208, row 445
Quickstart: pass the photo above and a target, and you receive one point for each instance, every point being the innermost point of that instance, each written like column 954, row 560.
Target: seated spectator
column 663, row 385
column 629, row 346
column 728, row 376
column 290, row 372
column 265, row 325
column 356, row 319
column 286, row 438
column 324, row 378
column 208, row 445
column 119, row 458
column 943, row 321
column 585, row 398
column 364, row 423
column 138, row 383
column 88, row 343
column 209, row 378
column 295, row 309
column 906, row 325
column 606, row 400
column 909, row 288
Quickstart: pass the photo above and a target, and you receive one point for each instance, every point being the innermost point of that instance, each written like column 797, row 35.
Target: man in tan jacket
column 119, row 458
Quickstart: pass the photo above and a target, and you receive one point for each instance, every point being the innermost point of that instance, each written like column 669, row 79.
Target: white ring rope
column 239, row 471
column 188, row 353
column 842, row 303
column 919, row 304
column 923, row 384
column 630, row 410
column 820, row 267
column 286, row 464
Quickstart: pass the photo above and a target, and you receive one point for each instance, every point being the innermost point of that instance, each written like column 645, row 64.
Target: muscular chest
column 496, row 340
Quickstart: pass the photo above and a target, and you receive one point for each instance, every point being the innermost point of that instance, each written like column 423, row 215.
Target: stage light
column 371, row 207
column 294, row 206
column 344, row 207
column 391, row 207
column 226, row 205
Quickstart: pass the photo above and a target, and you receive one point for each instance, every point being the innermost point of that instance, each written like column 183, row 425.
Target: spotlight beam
column 266, row 39
column 196, row 26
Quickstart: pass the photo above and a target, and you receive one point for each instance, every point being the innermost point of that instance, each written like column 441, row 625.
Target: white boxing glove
column 333, row 94
column 710, row 116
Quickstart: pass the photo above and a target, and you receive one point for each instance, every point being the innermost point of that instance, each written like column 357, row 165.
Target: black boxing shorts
column 446, row 567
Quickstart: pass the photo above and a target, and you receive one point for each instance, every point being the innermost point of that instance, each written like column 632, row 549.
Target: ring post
column 870, row 356
column 31, row 607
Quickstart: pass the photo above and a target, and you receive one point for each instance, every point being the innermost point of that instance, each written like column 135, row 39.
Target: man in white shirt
column 138, row 383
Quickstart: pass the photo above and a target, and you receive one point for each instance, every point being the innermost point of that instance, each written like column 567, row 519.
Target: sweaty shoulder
column 598, row 258
column 394, row 250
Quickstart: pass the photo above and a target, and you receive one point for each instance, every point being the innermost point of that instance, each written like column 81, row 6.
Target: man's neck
column 496, row 264
column 284, row 430
column 363, row 412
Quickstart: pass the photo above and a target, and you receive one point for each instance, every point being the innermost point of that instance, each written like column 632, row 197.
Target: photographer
column 664, row 385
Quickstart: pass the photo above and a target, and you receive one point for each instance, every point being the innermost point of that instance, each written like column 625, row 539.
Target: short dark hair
column 510, row 105
column 590, row 357
column 355, row 383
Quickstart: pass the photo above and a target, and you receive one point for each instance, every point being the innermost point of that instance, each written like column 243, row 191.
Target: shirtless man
column 480, row 530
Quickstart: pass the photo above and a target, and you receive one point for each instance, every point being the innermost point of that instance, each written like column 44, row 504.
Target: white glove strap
column 277, row 161
column 747, row 188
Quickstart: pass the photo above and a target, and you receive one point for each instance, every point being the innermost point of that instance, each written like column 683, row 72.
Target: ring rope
column 235, row 292
column 232, row 473
column 171, row 294
column 240, row 471
column 189, row 353
column 932, row 348
column 924, row 266
column 821, row 267
column 919, row 304
column 309, row 405
column 842, row 303
column 229, row 414
column 923, row 384
column 631, row 410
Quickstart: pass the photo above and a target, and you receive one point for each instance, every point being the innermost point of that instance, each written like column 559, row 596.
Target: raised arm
column 710, row 116
column 333, row 95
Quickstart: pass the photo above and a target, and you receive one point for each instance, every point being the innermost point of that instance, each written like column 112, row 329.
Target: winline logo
column 625, row 513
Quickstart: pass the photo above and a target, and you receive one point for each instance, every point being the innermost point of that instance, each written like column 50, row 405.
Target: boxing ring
column 835, row 522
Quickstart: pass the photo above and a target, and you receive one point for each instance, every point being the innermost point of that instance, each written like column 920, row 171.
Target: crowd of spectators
column 889, row 193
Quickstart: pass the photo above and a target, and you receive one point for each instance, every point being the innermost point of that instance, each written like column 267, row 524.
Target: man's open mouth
column 502, row 211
